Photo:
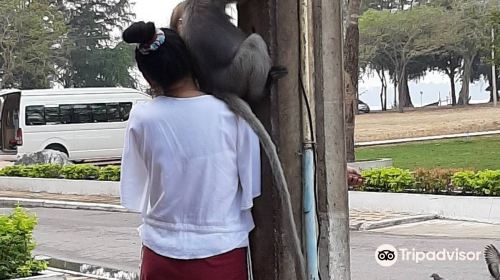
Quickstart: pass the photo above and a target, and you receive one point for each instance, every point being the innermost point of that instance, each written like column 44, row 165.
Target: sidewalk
column 359, row 219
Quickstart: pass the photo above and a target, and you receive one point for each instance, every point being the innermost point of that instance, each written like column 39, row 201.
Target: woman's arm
column 134, row 175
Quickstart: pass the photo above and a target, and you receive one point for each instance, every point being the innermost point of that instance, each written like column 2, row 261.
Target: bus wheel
column 57, row 147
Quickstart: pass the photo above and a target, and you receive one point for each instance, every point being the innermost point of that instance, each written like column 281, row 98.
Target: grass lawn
column 475, row 153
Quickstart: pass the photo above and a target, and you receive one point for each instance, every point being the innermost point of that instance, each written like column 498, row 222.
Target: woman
column 190, row 166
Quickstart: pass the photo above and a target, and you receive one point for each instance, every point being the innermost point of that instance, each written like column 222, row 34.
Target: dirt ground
column 426, row 122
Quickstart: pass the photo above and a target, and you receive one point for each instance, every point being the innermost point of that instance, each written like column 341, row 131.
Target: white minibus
column 84, row 123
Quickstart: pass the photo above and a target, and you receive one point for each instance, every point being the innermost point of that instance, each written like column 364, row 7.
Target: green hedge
column 388, row 179
column 110, row 173
column 16, row 245
column 75, row 172
column 433, row 181
column 80, row 172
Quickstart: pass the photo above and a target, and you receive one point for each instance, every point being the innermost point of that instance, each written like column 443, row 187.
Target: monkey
column 227, row 59
column 234, row 67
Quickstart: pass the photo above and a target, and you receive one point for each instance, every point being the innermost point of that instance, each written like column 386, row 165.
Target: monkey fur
column 233, row 67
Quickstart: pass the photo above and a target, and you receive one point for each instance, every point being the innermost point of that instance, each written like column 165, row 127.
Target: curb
column 472, row 208
column 60, row 186
column 78, row 274
column 73, row 270
column 426, row 138
column 396, row 221
column 47, row 274
column 32, row 203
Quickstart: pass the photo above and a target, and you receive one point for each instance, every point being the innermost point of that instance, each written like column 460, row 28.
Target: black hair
column 167, row 65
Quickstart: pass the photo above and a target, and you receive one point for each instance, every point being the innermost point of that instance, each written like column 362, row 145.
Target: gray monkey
column 232, row 66
column 227, row 59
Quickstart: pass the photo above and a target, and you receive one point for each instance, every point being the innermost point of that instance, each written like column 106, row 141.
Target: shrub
column 17, row 170
column 110, row 173
column 16, row 245
column 464, row 180
column 45, row 171
column 434, row 180
column 388, row 179
column 80, row 172
column 488, row 181
column 438, row 180
column 34, row 171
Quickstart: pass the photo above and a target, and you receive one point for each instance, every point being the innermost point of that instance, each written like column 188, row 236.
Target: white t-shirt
column 192, row 168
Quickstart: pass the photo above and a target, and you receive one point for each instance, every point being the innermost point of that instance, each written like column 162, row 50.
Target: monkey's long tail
column 242, row 109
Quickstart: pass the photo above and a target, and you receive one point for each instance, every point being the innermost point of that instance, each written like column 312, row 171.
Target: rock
column 45, row 156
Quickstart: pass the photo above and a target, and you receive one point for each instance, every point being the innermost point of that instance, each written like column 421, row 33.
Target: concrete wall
column 60, row 186
column 362, row 165
column 482, row 209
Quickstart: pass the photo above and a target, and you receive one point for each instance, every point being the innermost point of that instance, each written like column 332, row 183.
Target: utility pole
column 277, row 21
column 333, row 205
column 493, row 70
column 321, row 70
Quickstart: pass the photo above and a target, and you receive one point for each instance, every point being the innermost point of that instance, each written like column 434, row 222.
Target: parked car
column 363, row 107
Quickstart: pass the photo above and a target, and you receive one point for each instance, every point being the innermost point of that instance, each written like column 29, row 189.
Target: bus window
column 81, row 114
column 35, row 115
column 65, row 112
column 113, row 112
column 99, row 112
column 52, row 115
column 125, row 110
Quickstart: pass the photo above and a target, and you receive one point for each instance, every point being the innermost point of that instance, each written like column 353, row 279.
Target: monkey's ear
column 176, row 16
column 139, row 32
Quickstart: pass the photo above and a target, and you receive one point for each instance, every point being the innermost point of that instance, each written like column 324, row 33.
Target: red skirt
column 228, row 266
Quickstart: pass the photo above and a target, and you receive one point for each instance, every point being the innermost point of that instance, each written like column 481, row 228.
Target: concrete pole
column 333, row 205
column 308, row 119
column 277, row 22
column 493, row 70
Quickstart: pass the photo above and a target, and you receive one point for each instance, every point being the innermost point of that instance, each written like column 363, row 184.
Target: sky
column 157, row 11
column 433, row 86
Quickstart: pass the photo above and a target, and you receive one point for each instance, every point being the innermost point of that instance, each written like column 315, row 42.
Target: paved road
column 92, row 237
column 111, row 240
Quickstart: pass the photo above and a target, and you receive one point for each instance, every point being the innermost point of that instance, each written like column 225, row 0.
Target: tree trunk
column 466, row 77
column 451, row 75
column 351, row 62
column 383, row 89
column 384, row 108
column 404, row 92
column 490, row 81
column 395, row 94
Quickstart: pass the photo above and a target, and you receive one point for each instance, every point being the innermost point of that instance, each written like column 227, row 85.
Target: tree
column 448, row 62
column 372, row 60
column 494, row 23
column 351, row 68
column 467, row 19
column 94, row 58
column 31, row 36
column 401, row 37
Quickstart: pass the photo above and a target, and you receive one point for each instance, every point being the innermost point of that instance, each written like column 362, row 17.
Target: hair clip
column 158, row 40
